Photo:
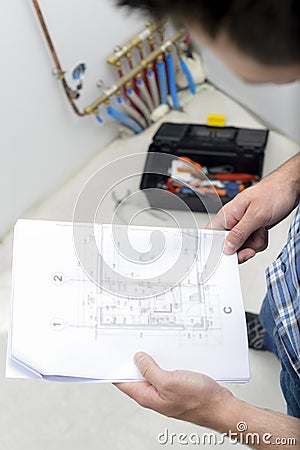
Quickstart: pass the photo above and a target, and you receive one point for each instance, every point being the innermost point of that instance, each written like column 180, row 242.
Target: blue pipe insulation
column 124, row 119
column 162, row 81
column 172, row 81
column 188, row 75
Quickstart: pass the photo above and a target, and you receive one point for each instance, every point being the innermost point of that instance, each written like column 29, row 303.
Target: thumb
column 240, row 233
column 149, row 369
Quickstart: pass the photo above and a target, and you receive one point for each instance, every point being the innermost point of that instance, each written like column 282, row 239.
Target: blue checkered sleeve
column 283, row 282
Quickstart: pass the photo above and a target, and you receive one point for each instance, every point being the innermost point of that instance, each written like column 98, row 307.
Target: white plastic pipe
column 153, row 87
column 145, row 94
column 139, row 104
column 133, row 113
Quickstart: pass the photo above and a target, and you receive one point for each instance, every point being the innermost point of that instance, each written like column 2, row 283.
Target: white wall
column 42, row 142
column 278, row 106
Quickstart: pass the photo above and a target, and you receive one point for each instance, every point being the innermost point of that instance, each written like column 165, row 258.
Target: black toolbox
column 241, row 148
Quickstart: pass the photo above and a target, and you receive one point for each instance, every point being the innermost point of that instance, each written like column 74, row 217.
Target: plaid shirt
column 283, row 280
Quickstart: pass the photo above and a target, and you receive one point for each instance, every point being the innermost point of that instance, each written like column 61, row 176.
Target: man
column 260, row 41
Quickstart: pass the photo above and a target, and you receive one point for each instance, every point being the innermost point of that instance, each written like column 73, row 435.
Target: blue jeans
column 289, row 379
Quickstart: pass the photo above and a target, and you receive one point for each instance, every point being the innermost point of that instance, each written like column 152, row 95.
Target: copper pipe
column 56, row 61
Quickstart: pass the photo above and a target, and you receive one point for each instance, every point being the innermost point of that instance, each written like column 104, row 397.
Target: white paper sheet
column 83, row 320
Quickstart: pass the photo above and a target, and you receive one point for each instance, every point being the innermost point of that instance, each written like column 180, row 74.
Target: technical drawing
column 188, row 309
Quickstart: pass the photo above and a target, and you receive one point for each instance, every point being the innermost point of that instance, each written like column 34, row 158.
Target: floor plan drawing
column 187, row 308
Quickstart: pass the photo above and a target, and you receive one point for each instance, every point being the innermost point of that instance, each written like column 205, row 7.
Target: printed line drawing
column 189, row 309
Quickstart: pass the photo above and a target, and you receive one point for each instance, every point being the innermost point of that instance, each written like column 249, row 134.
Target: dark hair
column 267, row 30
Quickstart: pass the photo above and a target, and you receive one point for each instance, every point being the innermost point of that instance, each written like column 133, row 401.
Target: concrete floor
column 38, row 415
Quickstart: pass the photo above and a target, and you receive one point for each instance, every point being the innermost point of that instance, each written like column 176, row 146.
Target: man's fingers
column 149, row 369
column 245, row 254
column 228, row 216
column 133, row 390
column 146, row 393
column 142, row 392
column 217, row 222
column 235, row 239
column 257, row 242
column 241, row 232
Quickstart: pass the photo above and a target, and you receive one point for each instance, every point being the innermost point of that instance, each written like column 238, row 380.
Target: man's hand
column 184, row 395
column 252, row 212
column 198, row 399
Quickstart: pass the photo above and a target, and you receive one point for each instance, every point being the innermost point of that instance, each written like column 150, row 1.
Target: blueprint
column 90, row 296
column 188, row 308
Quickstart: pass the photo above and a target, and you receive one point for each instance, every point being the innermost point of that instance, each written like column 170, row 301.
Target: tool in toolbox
column 188, row 176
column 202, row 163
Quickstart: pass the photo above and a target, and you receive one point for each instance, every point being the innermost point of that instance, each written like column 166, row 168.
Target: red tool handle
column 235, row 177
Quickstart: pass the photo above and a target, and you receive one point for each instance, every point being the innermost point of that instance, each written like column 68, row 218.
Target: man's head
column 258, row 39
